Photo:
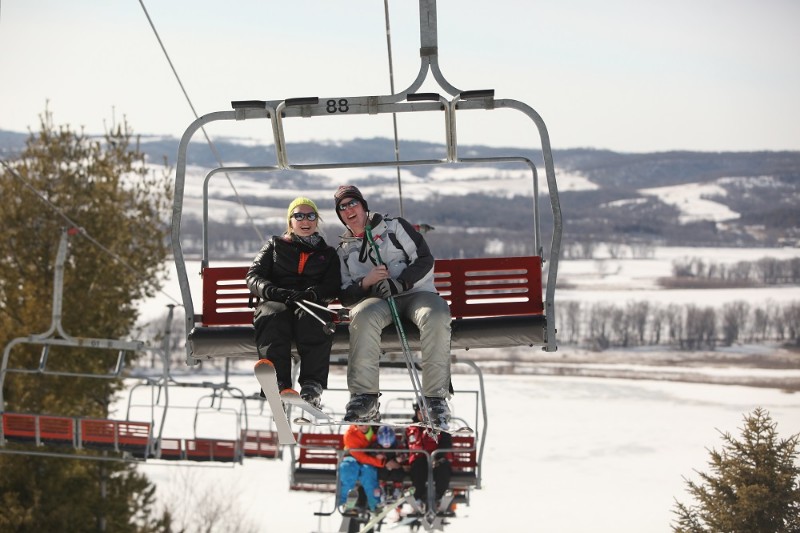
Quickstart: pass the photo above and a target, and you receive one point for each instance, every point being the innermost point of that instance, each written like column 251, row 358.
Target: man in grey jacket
column 406, row 275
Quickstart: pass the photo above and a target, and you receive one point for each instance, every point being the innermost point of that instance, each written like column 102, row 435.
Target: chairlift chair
column 495, row 301
column 131, row 439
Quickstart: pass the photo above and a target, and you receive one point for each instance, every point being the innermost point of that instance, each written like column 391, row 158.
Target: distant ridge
column 600, row 165
column 761, row 189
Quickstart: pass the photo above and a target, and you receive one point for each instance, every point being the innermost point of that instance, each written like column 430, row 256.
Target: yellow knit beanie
column 301, row 200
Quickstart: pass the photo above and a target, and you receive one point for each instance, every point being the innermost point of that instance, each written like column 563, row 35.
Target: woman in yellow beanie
column 295, row 267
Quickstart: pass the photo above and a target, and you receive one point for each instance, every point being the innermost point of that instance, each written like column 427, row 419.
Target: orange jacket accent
column 353, row 439
column 302, row 264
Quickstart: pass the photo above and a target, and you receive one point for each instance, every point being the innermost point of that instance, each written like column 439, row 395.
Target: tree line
column 687, row 327
column 764, row 271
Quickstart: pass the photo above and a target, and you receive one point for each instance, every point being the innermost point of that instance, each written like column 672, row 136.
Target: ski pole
column 328, row 327
column 412, row 371
column 313, row 304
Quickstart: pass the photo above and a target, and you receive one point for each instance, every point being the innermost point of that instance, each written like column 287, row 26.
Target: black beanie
column 347, row 191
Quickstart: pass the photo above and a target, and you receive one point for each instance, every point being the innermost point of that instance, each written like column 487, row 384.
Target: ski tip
column 463, row 430
column 261, row 362
column 302, row 421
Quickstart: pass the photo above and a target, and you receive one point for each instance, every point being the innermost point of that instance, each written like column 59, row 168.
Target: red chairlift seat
column 316, row 464
column 213, row 450
column 41, row 429
column 119, row 435
column 260, row 443
column 495, row 302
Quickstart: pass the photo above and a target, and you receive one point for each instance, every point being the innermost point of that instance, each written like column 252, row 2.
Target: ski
column 352, row 499
column 265, row 374
column 413, row 518
column 293, row 398
column 431, row 520
column 444, row 505
column 408, row 497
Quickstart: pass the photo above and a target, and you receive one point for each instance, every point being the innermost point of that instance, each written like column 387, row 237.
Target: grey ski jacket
column 402, row 248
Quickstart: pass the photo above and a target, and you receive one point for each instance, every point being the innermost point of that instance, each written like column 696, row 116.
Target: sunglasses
column 345, row 206
column 302, row 216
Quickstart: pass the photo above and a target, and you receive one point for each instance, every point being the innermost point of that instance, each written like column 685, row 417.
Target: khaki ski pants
column 429, row 312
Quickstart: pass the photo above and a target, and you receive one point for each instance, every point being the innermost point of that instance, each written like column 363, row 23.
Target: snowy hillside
column 671, row 198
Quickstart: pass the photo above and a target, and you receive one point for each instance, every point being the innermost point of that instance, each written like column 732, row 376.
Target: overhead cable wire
column 73, row 224
column 196, row 116
column 391, row 89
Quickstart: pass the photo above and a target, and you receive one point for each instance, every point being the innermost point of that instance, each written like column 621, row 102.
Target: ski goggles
column 312, row 216
column 344, row 206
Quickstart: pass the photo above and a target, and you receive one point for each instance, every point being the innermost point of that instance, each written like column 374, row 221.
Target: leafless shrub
column 199, row 508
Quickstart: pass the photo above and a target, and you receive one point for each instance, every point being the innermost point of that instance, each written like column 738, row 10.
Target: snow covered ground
column 566, row 455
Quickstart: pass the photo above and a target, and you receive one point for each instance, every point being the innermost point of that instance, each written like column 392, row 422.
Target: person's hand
column 375, row 275
column 308, row 295
column 389, row 287
column 391, row 464
column 276, row 294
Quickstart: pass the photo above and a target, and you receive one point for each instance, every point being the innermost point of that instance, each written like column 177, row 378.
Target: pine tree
column 105, row 188
column 753, row 487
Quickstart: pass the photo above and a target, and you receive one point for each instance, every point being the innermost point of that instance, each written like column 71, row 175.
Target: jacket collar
column 374, row 220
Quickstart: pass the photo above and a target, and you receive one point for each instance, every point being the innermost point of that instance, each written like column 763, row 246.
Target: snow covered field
column 566, row 455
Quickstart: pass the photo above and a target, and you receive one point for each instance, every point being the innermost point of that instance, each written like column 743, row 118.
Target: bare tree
column 204, row 508
column 615, row 250
column 642, row 250
column 674, row 315
column 761, row 323
column 740, row 271
column 700, row 327
column 639, row 313
column 620, row 327
column 734, row 318
column 569, row 320
column 599, row 317
column 768, row 270
column 657, row 320
column 791, row 316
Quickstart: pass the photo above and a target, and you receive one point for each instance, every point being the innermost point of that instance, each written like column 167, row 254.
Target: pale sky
column 625, row 75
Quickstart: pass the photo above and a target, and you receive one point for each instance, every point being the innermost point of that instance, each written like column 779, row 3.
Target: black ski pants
column 419, row 477
column 277, row 326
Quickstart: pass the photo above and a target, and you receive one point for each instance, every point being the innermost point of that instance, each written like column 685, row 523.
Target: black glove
column 308, row 295
column 276, row 294
column 386, row 288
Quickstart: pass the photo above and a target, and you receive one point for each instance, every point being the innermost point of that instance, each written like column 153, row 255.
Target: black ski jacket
column 289, row 263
